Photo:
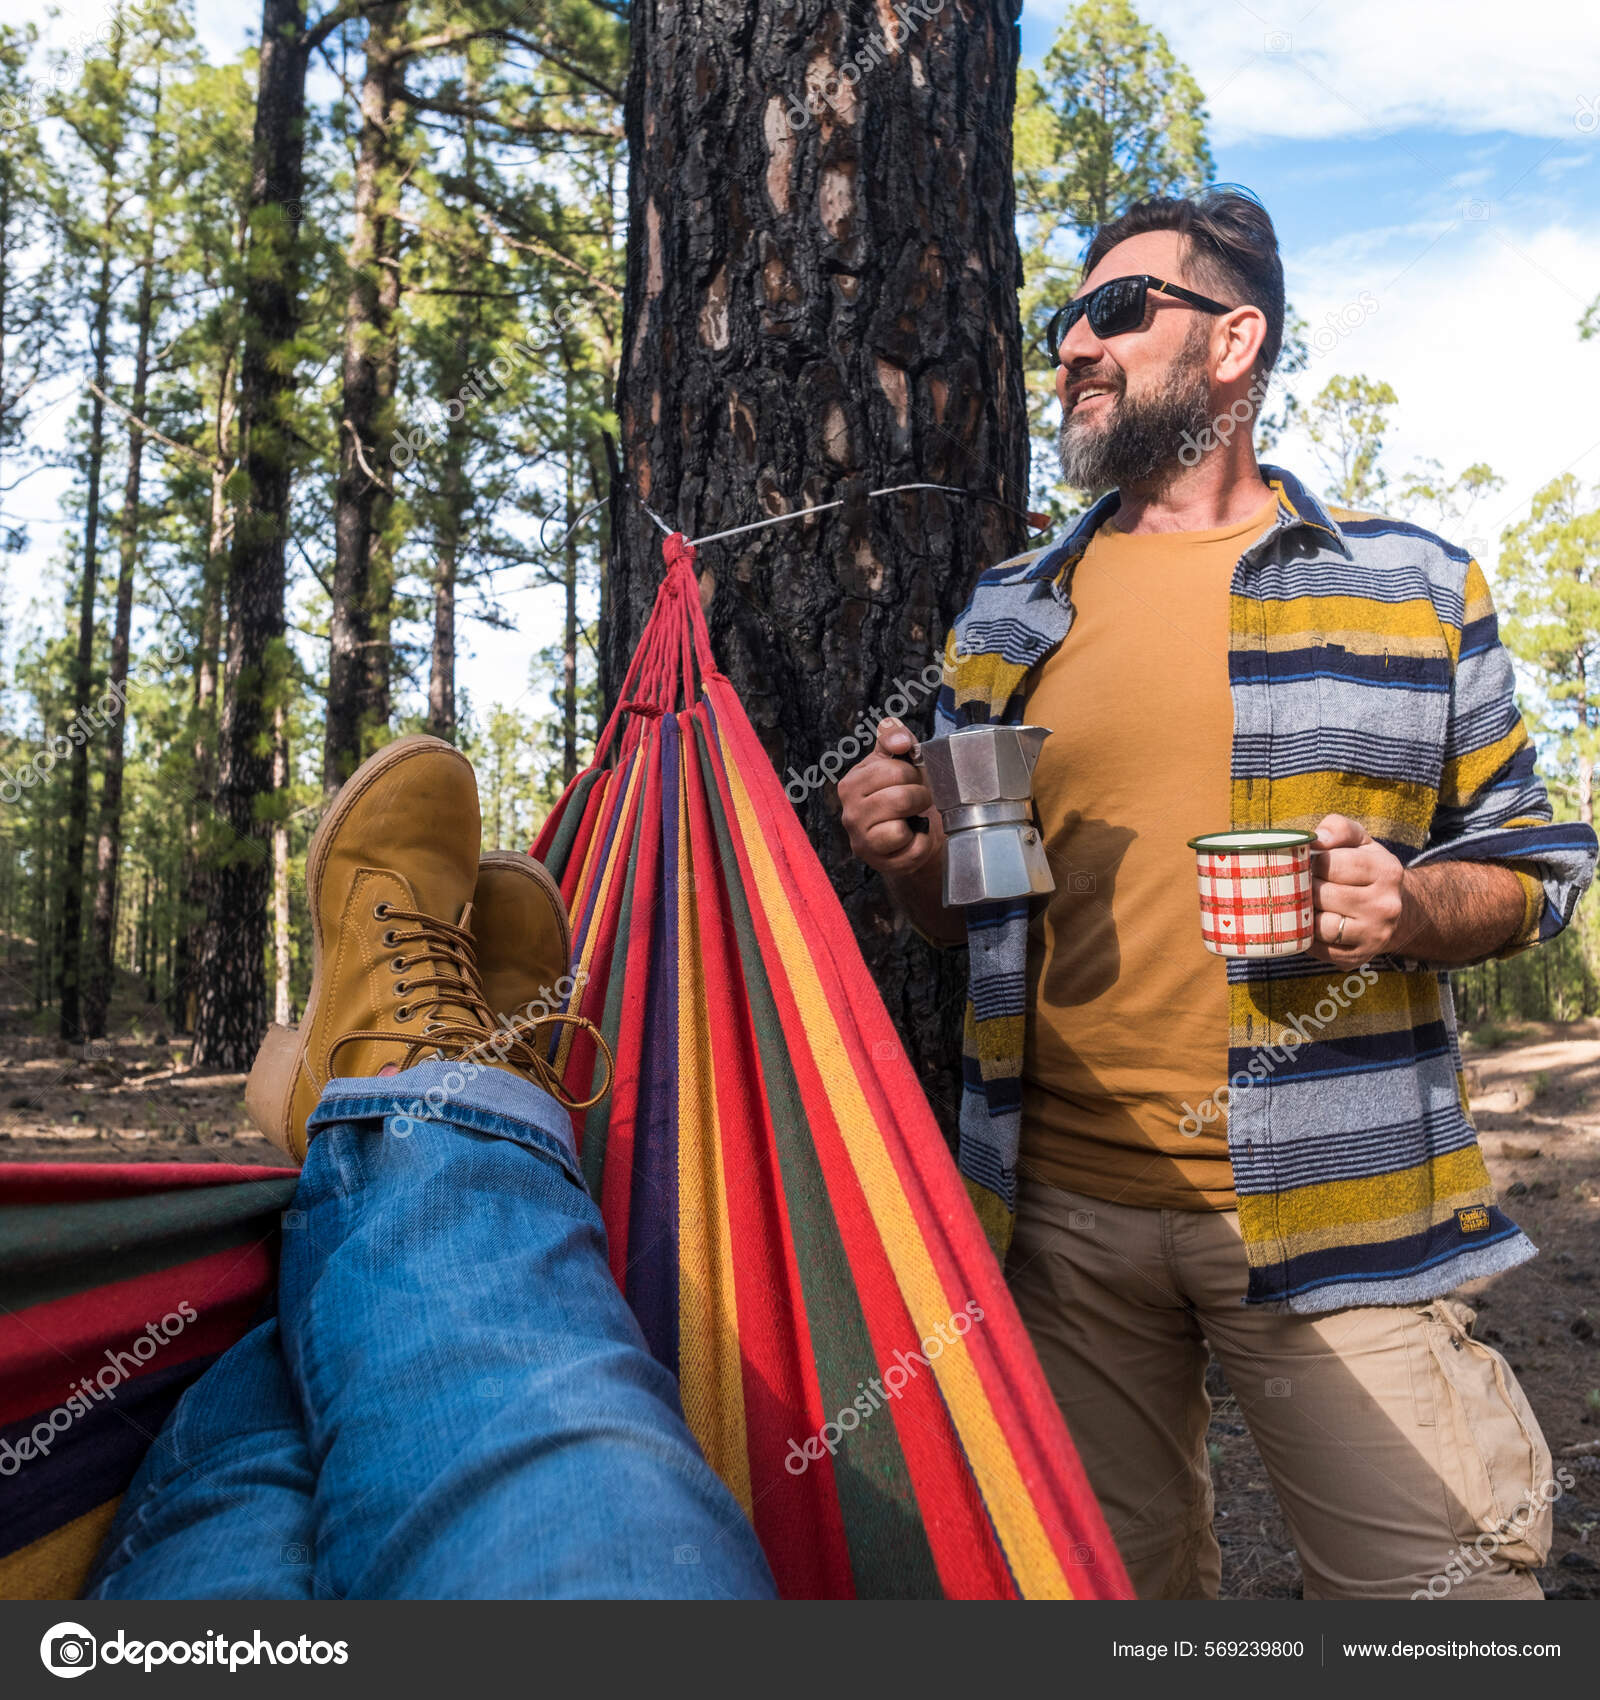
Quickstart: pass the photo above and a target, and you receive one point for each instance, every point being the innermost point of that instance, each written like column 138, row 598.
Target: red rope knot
column 650, row 710
column 678, row 548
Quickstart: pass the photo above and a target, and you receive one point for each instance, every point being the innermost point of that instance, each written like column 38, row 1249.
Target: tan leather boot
column 524, row 949
column 520, row 928
column 390, row 877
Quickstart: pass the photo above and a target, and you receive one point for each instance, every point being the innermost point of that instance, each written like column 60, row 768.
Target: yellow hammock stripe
column 710, row 1364
column 1027, row 1546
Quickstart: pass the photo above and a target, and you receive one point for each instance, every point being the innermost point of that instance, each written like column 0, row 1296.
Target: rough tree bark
column 231, row 1002
column 822, row 299
column 362, row 572
column 108, row 848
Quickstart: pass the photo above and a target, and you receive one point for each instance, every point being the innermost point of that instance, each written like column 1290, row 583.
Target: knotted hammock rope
column 783, row 1214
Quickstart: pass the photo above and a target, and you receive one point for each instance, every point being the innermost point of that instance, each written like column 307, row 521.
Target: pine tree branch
column 518, row 126
column 146, row 429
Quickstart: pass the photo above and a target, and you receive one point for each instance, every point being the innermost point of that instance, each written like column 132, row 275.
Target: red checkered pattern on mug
column 1256, row 902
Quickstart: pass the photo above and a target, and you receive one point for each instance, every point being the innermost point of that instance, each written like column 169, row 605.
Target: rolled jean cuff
column 485, row 1099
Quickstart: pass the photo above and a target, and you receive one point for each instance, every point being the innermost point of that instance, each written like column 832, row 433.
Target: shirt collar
column 1297, row 506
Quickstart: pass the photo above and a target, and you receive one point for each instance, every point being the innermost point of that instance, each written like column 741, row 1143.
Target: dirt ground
column 1535, row 1096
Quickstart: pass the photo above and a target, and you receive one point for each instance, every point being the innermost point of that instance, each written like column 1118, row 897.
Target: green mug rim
column 1284, row 838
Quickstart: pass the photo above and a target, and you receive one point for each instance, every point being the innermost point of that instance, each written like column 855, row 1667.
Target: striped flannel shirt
column 1368, row 680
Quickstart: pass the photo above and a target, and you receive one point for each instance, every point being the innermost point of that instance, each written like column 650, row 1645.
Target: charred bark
column 822, row 300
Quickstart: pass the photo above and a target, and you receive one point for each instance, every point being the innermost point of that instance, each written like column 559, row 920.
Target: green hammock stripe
column 889, row 1553
column 561, row 845
column 97, row 1238
column 45, row 1286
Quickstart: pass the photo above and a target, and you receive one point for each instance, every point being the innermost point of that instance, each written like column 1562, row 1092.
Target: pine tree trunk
column 71, row 951
column 202, row 803
column 362, row 572
column 569, row 647
column 281, row 1011
column 108, row 850
column 454, row 497
column 231, row 1004
column 822, row 299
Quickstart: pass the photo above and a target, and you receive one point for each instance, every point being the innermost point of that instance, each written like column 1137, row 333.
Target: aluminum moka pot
column 982, row 783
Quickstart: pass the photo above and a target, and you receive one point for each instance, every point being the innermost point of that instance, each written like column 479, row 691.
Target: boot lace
column 457, row 1022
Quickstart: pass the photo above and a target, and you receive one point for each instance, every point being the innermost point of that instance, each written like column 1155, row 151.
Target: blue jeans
column 453, row 1400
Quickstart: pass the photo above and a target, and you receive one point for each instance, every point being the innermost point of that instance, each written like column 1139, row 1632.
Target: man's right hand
column 879, row 797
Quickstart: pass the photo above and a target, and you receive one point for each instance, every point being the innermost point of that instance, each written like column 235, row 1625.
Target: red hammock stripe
column 977, row 1457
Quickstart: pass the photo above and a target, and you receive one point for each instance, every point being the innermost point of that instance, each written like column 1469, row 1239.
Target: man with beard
column 1265, row 1161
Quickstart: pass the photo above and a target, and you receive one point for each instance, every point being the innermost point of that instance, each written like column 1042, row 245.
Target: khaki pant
column 1401, row 1450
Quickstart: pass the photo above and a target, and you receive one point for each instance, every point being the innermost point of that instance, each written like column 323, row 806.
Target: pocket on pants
column 1493, row 1461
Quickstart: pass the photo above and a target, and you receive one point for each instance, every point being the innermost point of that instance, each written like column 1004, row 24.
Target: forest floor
column 1535, row 1096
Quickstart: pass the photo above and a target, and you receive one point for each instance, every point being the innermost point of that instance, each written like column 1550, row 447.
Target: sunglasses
column 1116, row 307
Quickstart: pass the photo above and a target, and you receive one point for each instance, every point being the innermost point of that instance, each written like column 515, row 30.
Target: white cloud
column 1353, row 67
column 1477, row 335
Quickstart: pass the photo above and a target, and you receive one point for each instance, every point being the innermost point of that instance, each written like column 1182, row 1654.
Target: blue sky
column 1432, row 154
column 1446, row 159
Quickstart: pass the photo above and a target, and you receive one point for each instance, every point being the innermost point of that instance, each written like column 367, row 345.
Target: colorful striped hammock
column 783, row 1214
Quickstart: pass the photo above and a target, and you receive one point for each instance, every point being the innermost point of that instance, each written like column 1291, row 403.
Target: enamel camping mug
column 1255, row 892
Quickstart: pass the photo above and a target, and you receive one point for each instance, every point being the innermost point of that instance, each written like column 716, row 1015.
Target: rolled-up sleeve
column 1492, row 805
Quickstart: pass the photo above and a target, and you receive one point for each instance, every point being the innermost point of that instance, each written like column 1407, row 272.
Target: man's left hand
column 1357, row 893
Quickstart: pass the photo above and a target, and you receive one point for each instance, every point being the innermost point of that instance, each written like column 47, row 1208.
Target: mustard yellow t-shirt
column 1128, row 1012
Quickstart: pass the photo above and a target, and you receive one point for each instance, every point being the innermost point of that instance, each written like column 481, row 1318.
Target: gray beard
column 1140, row 441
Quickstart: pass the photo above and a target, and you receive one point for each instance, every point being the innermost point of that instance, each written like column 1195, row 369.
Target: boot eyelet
column 398, row 965
column 391, row 939
column 400, row 988
column 380, row 912
column 403, row 1013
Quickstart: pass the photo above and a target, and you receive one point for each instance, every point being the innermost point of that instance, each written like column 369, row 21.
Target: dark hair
column 1230, row 248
